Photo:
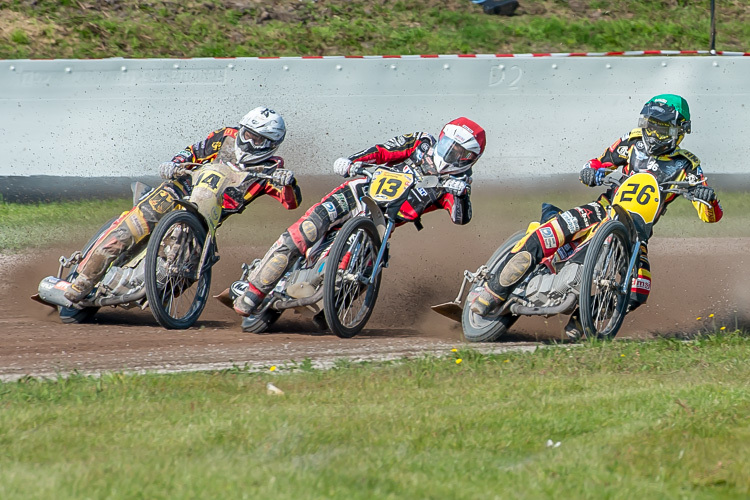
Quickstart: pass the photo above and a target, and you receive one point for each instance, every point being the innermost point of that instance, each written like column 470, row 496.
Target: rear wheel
column 72, row 314
column 488, row 329
column 175, row 294
column 349, row 296
column 604, row 293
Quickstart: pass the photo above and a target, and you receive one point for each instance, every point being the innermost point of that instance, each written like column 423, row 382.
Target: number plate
column 388, row 186
column 639, row 194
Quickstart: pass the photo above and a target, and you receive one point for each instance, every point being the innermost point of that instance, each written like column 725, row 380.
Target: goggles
column 661, row 130
column 249, row 136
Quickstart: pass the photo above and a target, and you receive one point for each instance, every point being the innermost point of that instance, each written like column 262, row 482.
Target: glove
column 592, row 176
column 167, row 170
column 341, row 166
column 282, row 177
column 704, row 193
column 455, row 187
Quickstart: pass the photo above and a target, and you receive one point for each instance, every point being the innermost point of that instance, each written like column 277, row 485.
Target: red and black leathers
column 132, row 227
column 343, row 202
column 575, row 224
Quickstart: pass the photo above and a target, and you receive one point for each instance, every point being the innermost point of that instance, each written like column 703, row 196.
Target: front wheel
column 480, row 329
column 604, row 293
column 175, row 294
column 349, row 293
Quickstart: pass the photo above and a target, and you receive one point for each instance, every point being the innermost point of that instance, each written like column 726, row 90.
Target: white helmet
column 459, row 146
column 261, row 133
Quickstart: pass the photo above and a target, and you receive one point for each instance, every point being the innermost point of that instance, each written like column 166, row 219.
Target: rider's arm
column 393, row 151
column 207, row 149
column 617, row 154
column 459, row 207
column 290, row 196
column 715, row 212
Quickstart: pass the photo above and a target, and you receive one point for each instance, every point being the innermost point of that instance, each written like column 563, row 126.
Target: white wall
column 547, row 115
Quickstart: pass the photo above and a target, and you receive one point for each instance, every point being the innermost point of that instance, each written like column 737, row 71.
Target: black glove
column 592, row 176
column 704, row 193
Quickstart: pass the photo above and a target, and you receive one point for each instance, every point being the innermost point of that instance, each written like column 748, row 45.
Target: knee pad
column 515, row 269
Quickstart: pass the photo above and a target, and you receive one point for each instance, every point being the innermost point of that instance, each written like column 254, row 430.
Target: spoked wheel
column 72, row 314
column 175, row 294
column 488, row 329
column 604, row 293
column 349, row 296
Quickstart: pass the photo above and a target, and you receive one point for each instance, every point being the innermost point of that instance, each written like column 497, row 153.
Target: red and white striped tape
column 543, row 54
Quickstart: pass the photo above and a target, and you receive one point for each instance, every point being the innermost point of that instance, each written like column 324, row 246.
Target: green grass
column 214, row 28
column 25, row 226
column 663, row 419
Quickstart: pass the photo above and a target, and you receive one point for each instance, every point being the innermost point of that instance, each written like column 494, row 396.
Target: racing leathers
column 131, row 228
column 402, row 154
column 572, row 226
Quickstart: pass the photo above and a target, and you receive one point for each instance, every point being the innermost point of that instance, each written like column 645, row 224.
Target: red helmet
column 459, row 146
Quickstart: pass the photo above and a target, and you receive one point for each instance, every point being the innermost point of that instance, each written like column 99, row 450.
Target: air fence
column 545, row 114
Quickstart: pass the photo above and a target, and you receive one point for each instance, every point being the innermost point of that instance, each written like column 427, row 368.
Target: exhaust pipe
column 565, row 307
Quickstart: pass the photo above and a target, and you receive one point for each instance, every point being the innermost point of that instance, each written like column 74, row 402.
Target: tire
column 348, row 300
column 479, row 329
column 175, row 299
column 602, row 303
column 73, row 315
column 259, row 323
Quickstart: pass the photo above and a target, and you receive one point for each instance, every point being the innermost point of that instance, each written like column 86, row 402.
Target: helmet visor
column 453, row 153
column 250, row 138
column 657, row 130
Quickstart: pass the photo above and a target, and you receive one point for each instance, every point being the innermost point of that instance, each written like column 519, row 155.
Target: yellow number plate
column 639, row 194
column 388, row 186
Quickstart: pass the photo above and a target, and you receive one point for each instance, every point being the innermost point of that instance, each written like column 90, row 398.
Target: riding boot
column 79, row 288
column 247, row 303
column 500, row 285
column 574, row 329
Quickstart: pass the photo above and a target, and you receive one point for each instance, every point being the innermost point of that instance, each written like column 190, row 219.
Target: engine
column 123, row 280
column 546, row 289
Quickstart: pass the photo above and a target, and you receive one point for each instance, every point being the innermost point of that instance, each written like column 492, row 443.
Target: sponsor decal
column 570, row 221
column 565, row 251
column 585, row 215
column 422, row 191
column 642, row 284
column 216, row 145
column 395, row 143
column 341, row 200
column 622, row 151
column 548, row 237
column 161, row 202
column 331, row 209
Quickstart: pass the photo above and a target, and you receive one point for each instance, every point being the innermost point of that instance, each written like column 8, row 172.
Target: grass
column 217, row 28
column 24, row 226
column 662, row 419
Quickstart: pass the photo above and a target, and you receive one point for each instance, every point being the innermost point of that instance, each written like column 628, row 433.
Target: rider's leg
column 641, row 284
column 545, row 241
column 121, row 237
column 296, row 240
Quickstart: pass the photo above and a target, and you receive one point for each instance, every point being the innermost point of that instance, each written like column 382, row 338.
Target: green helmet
column 665, row 119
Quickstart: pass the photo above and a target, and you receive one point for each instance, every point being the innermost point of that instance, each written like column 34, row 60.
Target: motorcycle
column 170, row 271
column 594, row 276
column 338, row 279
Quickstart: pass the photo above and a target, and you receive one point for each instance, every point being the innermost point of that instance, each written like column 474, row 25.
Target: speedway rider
column 651, row 148
column 251, row 144
column 451, row 156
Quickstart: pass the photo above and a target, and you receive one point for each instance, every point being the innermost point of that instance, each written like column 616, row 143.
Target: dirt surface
column 693, row 277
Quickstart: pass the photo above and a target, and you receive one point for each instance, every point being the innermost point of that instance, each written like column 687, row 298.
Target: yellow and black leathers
column 572, row 226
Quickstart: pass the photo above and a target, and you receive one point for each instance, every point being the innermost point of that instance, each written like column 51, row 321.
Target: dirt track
column 692, row 277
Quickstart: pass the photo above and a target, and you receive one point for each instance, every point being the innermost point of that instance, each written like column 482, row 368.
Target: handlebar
column 186, row 169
